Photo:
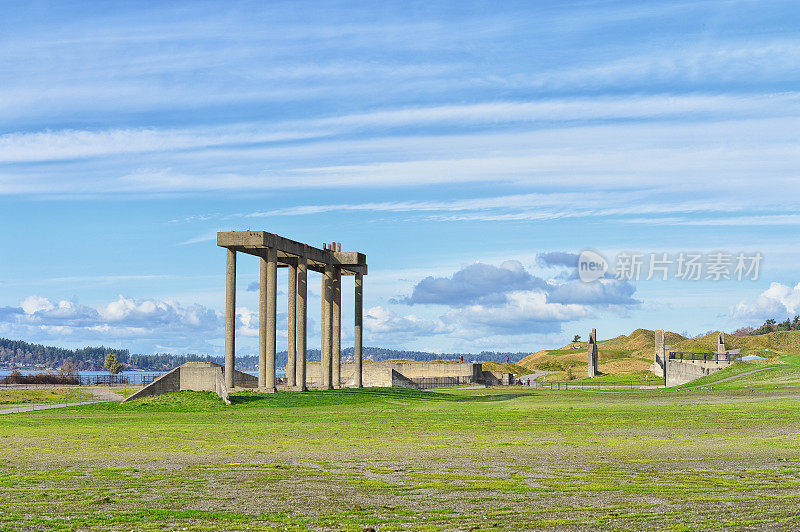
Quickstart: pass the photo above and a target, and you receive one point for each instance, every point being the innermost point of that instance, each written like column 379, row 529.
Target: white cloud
column 524, row 312
column 778, row 301
column 142, row 321
column 383, row 323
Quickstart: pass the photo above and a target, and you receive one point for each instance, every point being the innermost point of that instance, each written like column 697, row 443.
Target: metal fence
column 706, row 357
column 110, row 380
column 440, row 382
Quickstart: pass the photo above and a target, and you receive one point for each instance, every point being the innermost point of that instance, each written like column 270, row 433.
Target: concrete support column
column 291, row 317
column 302, row 290
column 325, row 343
column 336, row 329
column 230, row 318
column 359, row 312
column 267, row 320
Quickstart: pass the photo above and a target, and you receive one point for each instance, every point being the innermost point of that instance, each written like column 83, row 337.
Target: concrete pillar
column 291, row 316
column 336, row 329
column 230, row 319
column 325, row 343
column 267, row 320
column 262, row 323
column 359, row 312
column 302, row 291
column 593, row 358
column 659, row 358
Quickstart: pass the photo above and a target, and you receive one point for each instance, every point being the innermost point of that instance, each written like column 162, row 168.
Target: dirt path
column 100, row 393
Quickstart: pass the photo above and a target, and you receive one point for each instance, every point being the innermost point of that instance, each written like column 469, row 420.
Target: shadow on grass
column 188, row 401
column 357, row 396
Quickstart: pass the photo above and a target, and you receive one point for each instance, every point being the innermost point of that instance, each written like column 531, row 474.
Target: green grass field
column 16, row 396
column 396, row 459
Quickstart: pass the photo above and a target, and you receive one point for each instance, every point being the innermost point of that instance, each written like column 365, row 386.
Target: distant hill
column 633, row 353
column 778, row 342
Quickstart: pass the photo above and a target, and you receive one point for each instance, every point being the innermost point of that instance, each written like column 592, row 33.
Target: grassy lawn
column 639, row 378
column 15, row 396
column 395, row 459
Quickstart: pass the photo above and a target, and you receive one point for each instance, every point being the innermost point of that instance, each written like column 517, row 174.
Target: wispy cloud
column 546, row 113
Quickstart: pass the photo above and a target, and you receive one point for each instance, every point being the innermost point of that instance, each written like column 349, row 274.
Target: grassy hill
column 777, row 342
column 631, row 355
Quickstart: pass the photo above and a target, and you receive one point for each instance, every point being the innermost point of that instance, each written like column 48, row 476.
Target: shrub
column 40, row 378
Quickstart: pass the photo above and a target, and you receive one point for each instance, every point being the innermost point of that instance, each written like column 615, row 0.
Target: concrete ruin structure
column 209, row 377
column 594, row 359
column 678, row 368
column 197, row 376
column 330, row 373
column 275, row 252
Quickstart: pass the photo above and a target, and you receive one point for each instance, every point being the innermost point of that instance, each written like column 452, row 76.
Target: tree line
column 770, row 325
column 20, row 354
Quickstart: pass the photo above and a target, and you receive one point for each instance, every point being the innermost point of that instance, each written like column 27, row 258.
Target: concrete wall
column 244, row 380
column 197, row 376
column 169, row 382
column 683, row 371
column 380, row 373
column 496, row 378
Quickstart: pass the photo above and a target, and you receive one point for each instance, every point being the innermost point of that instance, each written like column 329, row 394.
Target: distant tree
column 785, row 325
column 744, row 331
column 796, row 323
column 577, row 338
column 67, row 369
column 111, row 363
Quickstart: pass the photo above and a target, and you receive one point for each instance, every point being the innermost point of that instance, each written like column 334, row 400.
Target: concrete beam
column 253, row 241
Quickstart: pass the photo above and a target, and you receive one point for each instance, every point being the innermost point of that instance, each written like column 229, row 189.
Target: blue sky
column 456, row 144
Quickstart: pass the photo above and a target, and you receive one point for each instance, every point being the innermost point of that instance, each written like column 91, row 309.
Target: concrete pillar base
column 267, row 390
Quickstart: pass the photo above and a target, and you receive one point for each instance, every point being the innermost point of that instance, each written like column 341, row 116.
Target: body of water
column 133, row 377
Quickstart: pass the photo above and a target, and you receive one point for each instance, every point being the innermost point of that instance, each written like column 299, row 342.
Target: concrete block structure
column 411, row 374
column 721, row 344
column 197, row 376
column 278, row 252
column 683, row 371
column 593, row 357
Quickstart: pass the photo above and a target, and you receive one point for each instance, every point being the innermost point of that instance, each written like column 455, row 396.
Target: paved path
column 31, row 408
column 533, row 376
